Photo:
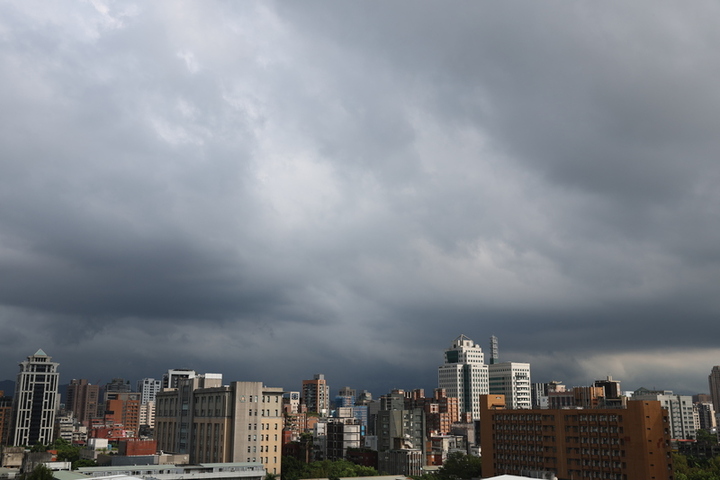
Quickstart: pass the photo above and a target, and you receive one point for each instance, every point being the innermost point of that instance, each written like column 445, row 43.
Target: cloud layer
column 273, row 189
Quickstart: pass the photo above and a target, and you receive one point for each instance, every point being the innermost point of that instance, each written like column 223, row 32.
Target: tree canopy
column 691, row 468
column 294, row 469
column 40, row 472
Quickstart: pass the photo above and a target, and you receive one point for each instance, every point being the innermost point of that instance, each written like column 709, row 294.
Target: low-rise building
column 209, row 471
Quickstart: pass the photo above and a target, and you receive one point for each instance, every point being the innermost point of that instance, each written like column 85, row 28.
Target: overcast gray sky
column 275, row 189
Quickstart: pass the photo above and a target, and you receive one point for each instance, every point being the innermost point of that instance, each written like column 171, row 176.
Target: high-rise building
column 630, row 443
column 398, row 427
column 494, row 351
column 683, row 422
column 705, row 416
column 441, row 411
column 173, row 408
column 147, row 417
column 123, row 408
column 240, row 422
column 714, row 382
column 148, row 388
column 342, row 434
column 511, row 379
column 174, row 375
column 539, row 393
column 464, row 375
column 36, row 400
column 82, row 400
column 316, row 394
column 401, row 434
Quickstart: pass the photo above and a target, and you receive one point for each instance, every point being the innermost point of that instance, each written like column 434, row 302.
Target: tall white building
column 36, row 400
column 148, row 388
column 683, row 421
column 464, row 375
column 511, row 379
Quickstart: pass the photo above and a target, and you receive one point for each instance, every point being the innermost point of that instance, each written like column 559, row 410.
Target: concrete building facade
column 630, row 443
column 123, row 408
column 174, row 375
column 683, row 421
column 511, row 379
column 706, row 416
column 464, row 376
column 148, row 388
column 5, row 417
column 341, row 433
column 36, row 400
column 714, row 384
column 240, row 422
column 82, row 400
column 316, row 395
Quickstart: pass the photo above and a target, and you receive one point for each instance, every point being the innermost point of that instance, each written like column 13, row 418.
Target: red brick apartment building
column 630, row 443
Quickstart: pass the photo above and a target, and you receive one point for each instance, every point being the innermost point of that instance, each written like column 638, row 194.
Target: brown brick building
column 5, row 417
column 123, row 408
column 441, row 411
column 82, row 400
column 631, row 443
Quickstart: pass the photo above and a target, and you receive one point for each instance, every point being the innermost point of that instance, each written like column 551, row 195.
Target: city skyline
column 375, row 388
column 270, row 190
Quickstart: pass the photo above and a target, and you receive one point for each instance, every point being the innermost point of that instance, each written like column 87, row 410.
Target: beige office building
column 240, row 422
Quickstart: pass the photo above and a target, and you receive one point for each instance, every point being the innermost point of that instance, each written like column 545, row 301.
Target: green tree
column 66, row 451
column 40, row 472
column 85, row 462
column 294, row 469
column 691, row 468
column 706, row 438
column 460, row 466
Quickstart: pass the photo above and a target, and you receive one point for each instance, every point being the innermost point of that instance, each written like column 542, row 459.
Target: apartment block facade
column 683, row 420
column 123, row 408
column 240, row 422
column 511, row 379
column 148, row 388
column 631, row 443
column 316, row 395
column 82, row 400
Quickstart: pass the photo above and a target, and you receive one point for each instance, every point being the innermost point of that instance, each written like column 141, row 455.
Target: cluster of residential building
column 489, row 409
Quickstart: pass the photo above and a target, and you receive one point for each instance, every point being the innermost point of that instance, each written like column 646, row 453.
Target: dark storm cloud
column 351, row 185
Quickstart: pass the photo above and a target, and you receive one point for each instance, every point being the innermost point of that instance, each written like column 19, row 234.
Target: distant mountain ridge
column 8, row 386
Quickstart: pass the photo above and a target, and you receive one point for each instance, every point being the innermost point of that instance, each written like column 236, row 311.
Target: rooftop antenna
column 494, row 352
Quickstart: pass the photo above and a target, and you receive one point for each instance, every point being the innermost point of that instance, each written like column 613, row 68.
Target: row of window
column 263, row 412
column 263, row 448
column 263, row 438
column 263, row 426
